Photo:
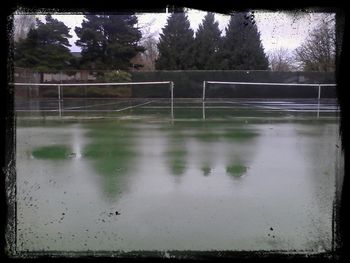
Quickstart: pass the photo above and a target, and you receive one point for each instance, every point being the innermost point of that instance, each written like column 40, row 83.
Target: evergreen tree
column 242, row 47
column 207, row 44
column 176, row 44
column 46, row 46
column 108, row 41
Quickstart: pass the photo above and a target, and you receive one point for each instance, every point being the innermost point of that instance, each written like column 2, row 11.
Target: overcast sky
column 277, row 28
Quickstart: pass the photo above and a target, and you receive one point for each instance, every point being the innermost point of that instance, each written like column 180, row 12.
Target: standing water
column 122, row 185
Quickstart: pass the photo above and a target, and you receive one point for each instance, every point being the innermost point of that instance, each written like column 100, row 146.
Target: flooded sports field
column 142, row 181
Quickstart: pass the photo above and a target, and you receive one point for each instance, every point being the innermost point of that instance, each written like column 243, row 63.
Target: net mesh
column 217, row 89
column 94, row 90
column 217, row 99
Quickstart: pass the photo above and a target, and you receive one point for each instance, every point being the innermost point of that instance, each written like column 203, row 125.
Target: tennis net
column 94, row 90
column 221, row 89
column 156, row 99
column 116, row 96
column 273, row 96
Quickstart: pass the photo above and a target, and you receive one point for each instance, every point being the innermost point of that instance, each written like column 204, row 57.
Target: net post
column 172, row 98
column 319, row 92
column 204, row 84
column 172, row 91
column 59, row 92
column 59, row 101
column 203, row 110
column 318, row 100
column 59, row 108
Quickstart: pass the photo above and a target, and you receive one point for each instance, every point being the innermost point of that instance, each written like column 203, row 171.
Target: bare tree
column 149, row 42
column 146, row 29
column 151, row 53
column 22, row 23
column 281, row 59
column 317, row 53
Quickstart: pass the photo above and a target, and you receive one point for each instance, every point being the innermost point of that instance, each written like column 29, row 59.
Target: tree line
column 240, row 48
column 113, row 42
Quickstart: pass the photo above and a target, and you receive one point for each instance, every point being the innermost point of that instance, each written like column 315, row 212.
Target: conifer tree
column 46, row 46
column 108, row 41
column 176, row 44
column 207, row 43
column 242, row 47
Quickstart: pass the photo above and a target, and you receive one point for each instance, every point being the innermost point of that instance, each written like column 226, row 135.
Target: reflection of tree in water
column 111, row 150
column 206, row 169
column 236, row 169
column 177, row 158
column 242, row 138
column 235, row 141
column 55, row 152
column 176, row 154
column 239, row 139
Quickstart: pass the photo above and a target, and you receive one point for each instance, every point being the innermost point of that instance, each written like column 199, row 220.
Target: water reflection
column 209, row 146
column 237, row 169
column 176, row 153
column 207, row 211
column 177, row 160
column 237, row 140
column 243, row 148
column 206, row 169
column 54, row 152
column 111, row 150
